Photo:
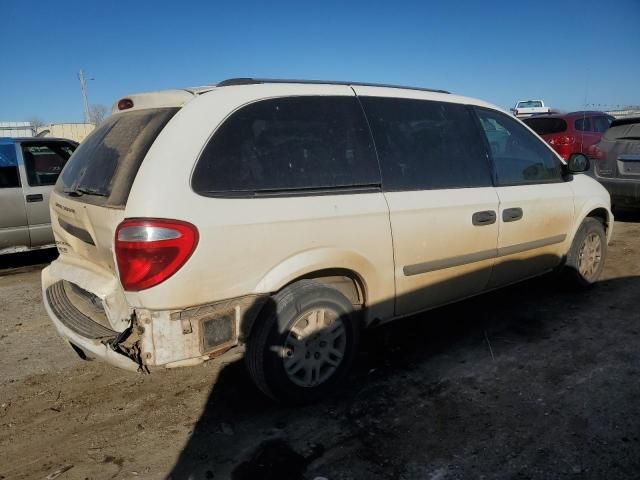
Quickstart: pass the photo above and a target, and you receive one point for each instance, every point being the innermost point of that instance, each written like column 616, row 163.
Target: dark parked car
column 616, row 161
column 570, row 133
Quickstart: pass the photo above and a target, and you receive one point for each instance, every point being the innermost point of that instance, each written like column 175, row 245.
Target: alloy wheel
column 314, row 348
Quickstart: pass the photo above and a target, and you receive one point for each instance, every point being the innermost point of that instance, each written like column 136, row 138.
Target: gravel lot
column 529, row 382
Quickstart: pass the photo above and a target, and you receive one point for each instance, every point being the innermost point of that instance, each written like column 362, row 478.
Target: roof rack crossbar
column 253, row 81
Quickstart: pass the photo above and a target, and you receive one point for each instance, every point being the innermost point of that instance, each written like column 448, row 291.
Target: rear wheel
column 586, row 258
column 304, row 343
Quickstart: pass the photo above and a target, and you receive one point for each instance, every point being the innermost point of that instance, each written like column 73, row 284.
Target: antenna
column 85, row 100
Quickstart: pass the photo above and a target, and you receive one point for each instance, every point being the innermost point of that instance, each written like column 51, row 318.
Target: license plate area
column 629, row 165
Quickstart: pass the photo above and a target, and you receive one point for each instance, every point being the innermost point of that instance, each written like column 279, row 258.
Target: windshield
column 106, row 162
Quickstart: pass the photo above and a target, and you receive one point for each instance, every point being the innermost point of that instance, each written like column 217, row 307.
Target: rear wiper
column 79, row 191
column 72, row 192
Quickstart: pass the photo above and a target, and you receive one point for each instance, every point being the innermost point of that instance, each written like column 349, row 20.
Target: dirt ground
column 529, row 382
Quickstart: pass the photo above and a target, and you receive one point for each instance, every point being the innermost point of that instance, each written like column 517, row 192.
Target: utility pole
column 83, row 86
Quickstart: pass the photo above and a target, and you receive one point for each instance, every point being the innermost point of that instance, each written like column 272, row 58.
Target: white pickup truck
column 526, row 108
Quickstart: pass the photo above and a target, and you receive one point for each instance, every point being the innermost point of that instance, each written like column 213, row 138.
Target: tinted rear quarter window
column 546, row 126
column 290, row 144
column 9, row 176
column 106, row 162
column 426, row 145
column 601, row 123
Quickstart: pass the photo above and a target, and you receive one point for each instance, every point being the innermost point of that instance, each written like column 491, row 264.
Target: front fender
column 590, row 196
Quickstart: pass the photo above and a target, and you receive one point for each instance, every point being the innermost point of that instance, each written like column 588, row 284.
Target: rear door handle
column 511, row 214
column 35, row 197
column 486, row 217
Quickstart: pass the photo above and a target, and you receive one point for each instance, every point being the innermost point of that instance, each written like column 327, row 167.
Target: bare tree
column 36, row 124
column 97, row 113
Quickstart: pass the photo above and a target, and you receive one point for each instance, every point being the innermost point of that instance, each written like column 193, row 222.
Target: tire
column 307, row 327
column 585, row 260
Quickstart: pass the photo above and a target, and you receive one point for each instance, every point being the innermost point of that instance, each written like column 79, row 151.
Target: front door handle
column 511, row 214
column 486, row 217
column 34, row 197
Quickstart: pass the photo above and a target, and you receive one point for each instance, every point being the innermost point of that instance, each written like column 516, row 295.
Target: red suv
column 572, row 132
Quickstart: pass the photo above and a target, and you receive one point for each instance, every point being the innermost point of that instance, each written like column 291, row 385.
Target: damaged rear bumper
column 91, row 346
column 145, row 339
column 88, row 338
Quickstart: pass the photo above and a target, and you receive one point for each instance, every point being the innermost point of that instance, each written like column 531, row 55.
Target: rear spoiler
column 160, row 99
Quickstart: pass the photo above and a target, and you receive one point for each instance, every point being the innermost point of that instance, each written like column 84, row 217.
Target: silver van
column 29, row 167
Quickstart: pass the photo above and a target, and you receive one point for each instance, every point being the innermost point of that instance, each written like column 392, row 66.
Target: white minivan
column 276, row 219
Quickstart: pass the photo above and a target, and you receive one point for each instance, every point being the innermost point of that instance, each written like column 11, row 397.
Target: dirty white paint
column 256, row 246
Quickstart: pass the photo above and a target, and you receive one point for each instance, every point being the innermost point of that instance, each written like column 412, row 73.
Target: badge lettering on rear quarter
column 66, row 209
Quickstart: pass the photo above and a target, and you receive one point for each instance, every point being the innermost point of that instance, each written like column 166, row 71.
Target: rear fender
column 378, row 296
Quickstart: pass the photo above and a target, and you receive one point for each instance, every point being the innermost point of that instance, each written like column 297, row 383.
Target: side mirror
column 578, row 163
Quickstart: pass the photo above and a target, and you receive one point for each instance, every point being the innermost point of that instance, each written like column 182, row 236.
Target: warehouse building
column 72, row 131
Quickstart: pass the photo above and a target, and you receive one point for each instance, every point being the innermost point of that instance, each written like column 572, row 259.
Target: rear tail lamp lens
column 562, row 140
column 150, row 250
column 596, row 153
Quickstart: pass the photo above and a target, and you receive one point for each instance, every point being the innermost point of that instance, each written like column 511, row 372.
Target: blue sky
column 500, row 51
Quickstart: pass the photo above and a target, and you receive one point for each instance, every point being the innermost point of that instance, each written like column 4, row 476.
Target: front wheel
column 586, row 257
column 303, row 344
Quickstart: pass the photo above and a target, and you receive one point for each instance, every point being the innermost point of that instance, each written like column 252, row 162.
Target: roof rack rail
column 253, row 81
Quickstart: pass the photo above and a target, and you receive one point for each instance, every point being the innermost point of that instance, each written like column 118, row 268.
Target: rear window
column 530, row 104
column 289, row 145
column 628, row 131
column 105, row 164
column 546, row 126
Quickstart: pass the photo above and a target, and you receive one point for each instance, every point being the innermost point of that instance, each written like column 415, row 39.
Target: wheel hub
column 590, row 256
column 314, row 348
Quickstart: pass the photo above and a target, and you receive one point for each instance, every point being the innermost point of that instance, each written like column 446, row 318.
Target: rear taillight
column 150, row 250
column 562, row 140
column 596, row 153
